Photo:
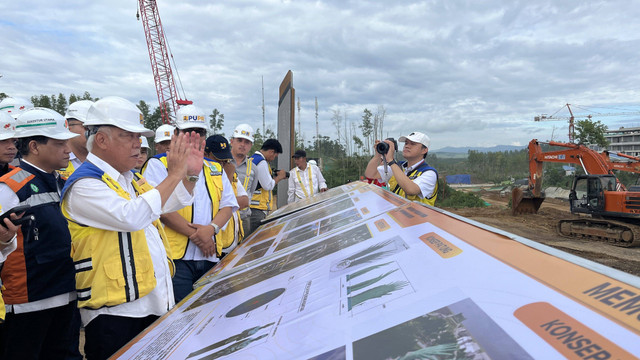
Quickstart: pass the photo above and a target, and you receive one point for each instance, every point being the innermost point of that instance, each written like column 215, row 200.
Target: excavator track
column 613, row 232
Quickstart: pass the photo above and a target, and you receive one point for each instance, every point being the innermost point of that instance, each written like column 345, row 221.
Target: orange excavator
column 614, row 210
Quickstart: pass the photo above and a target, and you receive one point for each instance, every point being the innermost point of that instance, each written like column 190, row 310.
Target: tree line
column 344, row 159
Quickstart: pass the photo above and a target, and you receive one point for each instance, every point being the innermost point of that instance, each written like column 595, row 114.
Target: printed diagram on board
column 370, row 254
column 234, row 343
column 369, row 281
column 277, row 266
column 255, row 302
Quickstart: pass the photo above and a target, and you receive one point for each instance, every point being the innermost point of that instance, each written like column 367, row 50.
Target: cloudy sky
column 468, row 73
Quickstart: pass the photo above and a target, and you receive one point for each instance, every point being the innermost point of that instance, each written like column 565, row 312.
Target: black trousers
column 43, row 334
column 106, row 334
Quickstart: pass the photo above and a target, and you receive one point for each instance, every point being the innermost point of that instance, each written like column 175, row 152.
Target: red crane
column 168, row 96
column 571, row 117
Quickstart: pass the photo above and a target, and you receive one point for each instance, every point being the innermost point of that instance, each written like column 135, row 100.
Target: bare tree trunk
column 382, row 112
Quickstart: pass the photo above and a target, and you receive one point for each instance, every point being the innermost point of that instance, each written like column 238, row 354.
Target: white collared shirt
column 156, row 172
column 91, row 202
column 426, row 181
column 262, row 176
column 300, row 190
column 73, row 159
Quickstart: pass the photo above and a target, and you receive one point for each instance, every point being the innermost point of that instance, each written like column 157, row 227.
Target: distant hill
column 465, row 150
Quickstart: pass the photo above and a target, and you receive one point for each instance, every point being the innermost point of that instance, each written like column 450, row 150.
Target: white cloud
column 467, row 73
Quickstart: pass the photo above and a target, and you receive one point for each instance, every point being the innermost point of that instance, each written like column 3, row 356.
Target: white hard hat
column 78, row 110
column 118, row 112
column 143, row 142
column 15, row 106
column 244, row 131
column 313, row 162
column 42, row 122
column 417, row 137
column 163, row 133
column 7, row 126
column 191, row 116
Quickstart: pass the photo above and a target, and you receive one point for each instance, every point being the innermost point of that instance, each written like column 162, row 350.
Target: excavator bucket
column 524, row 202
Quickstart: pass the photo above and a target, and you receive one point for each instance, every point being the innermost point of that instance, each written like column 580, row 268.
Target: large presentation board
column 367, row 275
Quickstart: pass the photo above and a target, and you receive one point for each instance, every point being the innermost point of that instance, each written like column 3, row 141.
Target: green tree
column 216, row 121
column 367, row 129
column 86, row 96
column 146, row 114
column 154, row 120
column 60, row 104
column 42, row 101
column 359, row 143
column 591, row 132
column 259, row 138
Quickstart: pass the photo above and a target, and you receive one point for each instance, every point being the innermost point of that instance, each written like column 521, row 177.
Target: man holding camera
column 413, row 179
column 264, row 181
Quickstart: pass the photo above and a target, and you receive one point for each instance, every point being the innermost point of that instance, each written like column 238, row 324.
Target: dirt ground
column 541, row 227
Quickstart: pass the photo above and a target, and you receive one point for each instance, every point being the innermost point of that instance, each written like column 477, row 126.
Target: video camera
column 274, row 173
column 383, row 148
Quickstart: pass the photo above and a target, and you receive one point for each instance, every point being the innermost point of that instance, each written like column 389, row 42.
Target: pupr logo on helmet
column 245, row 132
column 167, row 133
column 196, row 118
column 141, row 119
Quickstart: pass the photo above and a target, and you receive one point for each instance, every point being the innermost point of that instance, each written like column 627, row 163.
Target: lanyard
column 304, row 190
column 246, row 178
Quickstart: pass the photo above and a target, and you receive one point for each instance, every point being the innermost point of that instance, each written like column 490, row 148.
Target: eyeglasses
column 225, row 161
column 201, row 132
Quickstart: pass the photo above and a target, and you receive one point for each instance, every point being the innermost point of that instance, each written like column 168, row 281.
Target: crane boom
column 545, row 117
column 166, row 90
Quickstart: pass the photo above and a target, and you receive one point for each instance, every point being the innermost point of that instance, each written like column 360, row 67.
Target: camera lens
column 382, row 148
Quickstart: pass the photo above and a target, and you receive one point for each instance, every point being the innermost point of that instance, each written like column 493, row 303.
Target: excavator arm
column 591, row 161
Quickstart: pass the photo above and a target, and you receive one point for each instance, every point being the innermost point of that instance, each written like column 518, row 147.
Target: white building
column 624, row 140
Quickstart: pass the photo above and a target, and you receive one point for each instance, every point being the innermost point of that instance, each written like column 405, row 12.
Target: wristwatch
column 192, row 178
column 216, row 228
column 391, row 162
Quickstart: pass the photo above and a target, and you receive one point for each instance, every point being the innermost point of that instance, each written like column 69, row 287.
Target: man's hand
column 392, row 150
column 185, row 155
column 8, row 231
column 178, row 155
column 203, row 238
column 323, row 190
column 196, row 154
column 229, row 169
column 281, row 174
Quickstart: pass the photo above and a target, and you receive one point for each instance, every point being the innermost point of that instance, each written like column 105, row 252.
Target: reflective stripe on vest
column 261, row 198
column 413, row 174
column 304, row 190
column 247, row 175
column 233, row 231
column 213, row 183
column 111, row 267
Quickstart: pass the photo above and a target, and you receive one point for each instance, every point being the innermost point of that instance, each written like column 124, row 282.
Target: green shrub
column 448, row 197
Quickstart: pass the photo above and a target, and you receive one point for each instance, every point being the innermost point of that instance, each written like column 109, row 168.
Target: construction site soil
column 541, row 227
